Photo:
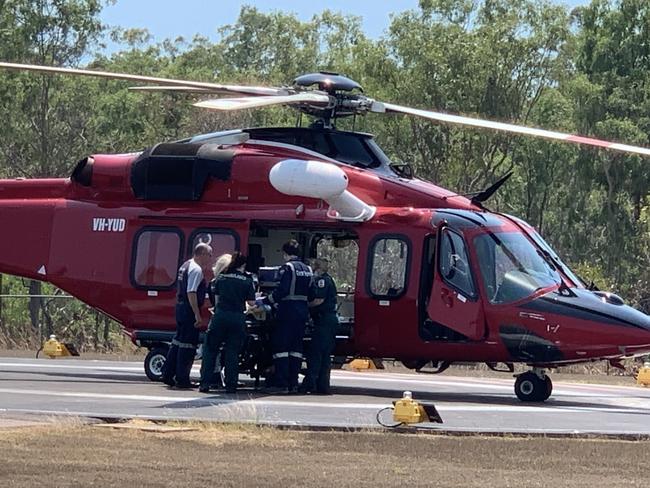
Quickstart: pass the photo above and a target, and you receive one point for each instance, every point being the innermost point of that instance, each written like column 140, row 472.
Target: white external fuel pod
column 318, row 179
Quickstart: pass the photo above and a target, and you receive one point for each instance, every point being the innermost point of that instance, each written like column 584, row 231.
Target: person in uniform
column 191, row 291
column 290, row 296
column 232, row 290
column 322, row 303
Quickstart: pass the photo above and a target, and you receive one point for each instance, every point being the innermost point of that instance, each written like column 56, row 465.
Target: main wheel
column 531, row 388
column 154, row 362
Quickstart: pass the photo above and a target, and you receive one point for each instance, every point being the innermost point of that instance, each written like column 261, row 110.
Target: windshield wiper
column 547, row 259
column 555, row 266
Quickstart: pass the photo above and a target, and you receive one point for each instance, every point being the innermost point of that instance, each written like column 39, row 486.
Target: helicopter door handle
column 446, row 298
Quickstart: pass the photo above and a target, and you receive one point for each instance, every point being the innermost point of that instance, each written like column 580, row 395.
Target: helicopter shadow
column 245, row 395
column 505, row 399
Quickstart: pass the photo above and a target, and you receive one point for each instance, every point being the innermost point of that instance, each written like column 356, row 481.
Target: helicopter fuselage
column 430, row 277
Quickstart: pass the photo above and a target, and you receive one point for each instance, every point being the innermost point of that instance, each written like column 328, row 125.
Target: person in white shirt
column 191, row 292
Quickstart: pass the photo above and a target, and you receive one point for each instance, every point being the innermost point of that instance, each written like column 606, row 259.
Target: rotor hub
column 328, row 82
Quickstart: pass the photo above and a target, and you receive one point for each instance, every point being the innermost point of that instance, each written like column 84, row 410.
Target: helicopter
column 434, row 277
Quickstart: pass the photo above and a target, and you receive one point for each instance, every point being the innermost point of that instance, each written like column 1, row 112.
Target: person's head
column 222, row 263
column 321, row 265
column 202, row 254
column 237, row 263
column 290, row 249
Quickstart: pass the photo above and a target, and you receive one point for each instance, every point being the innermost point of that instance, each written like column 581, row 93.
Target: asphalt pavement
column 114, row 389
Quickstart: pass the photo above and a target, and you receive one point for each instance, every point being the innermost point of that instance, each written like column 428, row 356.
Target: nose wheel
column 533, row 386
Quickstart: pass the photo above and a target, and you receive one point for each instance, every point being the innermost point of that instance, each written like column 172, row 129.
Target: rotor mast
column 339, row 88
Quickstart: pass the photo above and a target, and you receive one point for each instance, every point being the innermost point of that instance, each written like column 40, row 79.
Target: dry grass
column 247, row 455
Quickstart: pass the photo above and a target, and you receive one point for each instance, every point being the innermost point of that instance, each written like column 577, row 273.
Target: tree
column 43, row 123
column 613, row 91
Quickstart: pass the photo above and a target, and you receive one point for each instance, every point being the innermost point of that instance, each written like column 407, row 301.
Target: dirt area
column 78, row 455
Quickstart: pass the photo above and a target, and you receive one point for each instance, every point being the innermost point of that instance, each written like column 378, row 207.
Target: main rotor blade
column 209, row 87
column 185, row 89
column 518, row 129
column 256, row 102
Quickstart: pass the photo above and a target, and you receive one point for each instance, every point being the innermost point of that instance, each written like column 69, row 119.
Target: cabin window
column 221, row 241
column 389, row 267
column 454, row 263
column 156, row 259
column 342, row 255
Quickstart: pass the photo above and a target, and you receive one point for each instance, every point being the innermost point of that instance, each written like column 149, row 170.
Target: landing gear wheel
column 154, row 362
column 531, row 388
column 549, row 388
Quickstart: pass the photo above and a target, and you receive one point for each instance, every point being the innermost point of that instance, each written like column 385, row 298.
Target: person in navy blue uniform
column 291, row 297
column 231, row 290
column 322, row 303
column 191, row 292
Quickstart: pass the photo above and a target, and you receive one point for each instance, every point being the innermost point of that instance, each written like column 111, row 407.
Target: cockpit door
column 454, row 300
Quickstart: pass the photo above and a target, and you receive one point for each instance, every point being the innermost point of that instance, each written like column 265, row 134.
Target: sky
column 170, row 18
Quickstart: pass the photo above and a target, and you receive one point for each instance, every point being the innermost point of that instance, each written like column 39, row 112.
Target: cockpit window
column 454, row 263
column 511, row 267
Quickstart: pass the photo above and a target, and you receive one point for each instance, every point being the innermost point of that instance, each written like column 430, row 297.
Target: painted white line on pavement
column 69, row 366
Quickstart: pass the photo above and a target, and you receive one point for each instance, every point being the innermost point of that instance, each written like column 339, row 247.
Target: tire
column 549, row 389
column 154, row 362
column 531, row 388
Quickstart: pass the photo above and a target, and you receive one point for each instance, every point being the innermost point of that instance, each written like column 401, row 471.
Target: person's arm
column 194, row 278
column 250, row 295
column 317, row 292
column 283, row 288
column 191, row 297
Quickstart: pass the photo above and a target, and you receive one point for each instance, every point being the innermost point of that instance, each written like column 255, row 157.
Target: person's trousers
column 180, row 357
column 319, row 355
column 229, row 329
column 286, row 343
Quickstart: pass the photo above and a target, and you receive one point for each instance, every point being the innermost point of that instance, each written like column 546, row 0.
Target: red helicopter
column 435, row 277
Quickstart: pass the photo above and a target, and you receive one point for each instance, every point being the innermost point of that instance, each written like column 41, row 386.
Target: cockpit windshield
column 539, row 240
column 512, row 268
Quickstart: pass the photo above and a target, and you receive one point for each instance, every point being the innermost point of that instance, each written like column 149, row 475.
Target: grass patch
column 250, row 455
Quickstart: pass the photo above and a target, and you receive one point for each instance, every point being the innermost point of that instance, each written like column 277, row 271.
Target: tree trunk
column 107, row 325
column 96, row 331
column 47, row 318
column 611, row 223
column 35, row 288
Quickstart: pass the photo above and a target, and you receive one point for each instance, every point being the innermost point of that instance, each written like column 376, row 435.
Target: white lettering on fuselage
column 101, row 224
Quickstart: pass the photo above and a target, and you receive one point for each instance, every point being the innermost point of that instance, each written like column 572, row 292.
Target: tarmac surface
column 113, row 389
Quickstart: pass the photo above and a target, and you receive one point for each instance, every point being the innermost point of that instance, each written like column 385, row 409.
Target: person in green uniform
column 232, row 290
column 322, row 303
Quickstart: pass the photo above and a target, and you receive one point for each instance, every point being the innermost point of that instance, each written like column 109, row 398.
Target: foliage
column 521, row 61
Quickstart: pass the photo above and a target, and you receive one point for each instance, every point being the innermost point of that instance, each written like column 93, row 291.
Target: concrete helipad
column 112, row 389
